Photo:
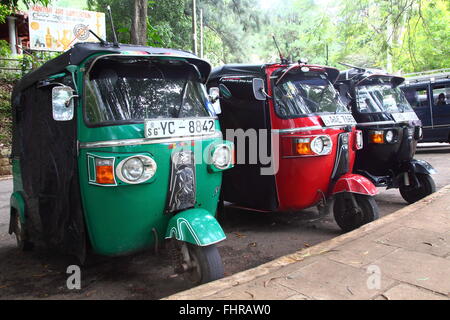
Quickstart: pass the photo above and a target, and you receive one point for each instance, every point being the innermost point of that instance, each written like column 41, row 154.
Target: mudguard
column 421, row 166
column 196, row 226
column 355, row 183
column 17, row 204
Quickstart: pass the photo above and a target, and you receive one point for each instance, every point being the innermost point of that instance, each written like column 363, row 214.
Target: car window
column 417, row 97
column 441, row 95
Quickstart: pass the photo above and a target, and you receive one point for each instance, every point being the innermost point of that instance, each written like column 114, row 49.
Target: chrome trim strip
column 365, row 124
column 297, row 129
column 291, row 130
column 144, row 141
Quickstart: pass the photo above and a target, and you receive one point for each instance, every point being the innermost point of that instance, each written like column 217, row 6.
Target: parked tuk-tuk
column 310, row 137
column 429, row 95
column 391, row 131
column 107, row 154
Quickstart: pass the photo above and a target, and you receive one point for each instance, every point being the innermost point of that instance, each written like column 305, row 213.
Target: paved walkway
column 405, row 255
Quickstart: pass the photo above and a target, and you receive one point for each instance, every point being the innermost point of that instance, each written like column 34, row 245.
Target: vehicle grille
column 182, row 190
column 341, row 165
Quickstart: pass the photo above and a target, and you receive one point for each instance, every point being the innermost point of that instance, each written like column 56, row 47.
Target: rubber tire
column 427, row 187
column 366, row 203
column 210, row 262
column 22, row 242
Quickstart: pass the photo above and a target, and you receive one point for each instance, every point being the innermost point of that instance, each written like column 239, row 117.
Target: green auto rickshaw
column 115, row 149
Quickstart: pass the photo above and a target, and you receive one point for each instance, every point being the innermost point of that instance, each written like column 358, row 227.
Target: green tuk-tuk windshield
column 381, row 98
column 298, row 95
column 132, row 90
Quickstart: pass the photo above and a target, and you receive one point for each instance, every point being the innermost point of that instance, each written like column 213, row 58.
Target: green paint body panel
column 18, row 204
column 17, row 201
column 196, row 226
column 121, row 219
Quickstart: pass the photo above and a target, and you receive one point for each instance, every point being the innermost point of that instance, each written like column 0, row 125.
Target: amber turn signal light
column 104, row 171
column 303, row 147
column 376, row 137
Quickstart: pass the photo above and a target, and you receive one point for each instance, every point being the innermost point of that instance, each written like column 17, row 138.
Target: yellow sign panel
column 58, row 29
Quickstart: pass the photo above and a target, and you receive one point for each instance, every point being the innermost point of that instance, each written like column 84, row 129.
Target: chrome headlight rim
column 149, row 169
column 326, row 142
column 215, row 149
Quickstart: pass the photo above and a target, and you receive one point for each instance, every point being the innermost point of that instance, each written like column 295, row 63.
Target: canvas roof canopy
column 81, row 51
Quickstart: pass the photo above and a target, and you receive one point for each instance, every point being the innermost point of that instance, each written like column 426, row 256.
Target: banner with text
column 58, row 29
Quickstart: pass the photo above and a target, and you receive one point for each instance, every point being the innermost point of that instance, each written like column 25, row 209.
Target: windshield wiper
column 183, row 96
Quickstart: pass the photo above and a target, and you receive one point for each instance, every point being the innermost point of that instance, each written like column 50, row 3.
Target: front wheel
column 351, row 213
column 204, row 264
column 425, row 188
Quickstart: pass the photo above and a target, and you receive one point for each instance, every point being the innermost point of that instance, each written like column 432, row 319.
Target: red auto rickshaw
column 309, row 134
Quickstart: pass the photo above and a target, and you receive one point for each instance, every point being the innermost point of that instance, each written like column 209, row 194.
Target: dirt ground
column 252, row 239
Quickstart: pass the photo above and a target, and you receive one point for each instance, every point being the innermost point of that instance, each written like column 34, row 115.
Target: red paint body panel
column 303, row 181
column 355, row 183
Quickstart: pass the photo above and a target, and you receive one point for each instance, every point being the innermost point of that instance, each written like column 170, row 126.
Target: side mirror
column 258, row 89
column 62, row 103
column 214, row 95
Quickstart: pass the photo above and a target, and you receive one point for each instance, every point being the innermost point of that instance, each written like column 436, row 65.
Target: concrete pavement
column 405, row 255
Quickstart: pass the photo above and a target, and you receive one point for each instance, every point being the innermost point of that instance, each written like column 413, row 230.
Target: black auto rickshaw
column 391, row 131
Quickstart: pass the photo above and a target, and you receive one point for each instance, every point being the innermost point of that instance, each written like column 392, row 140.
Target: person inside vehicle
column 441, row 100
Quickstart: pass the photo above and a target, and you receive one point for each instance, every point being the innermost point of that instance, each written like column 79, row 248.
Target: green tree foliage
column 228, row 25
column 399, row 35
column 406, row 35
column 9, row 6
column 302, row 30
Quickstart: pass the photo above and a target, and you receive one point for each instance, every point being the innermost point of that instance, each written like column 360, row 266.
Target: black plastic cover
column 244, row 185
column 47, row 151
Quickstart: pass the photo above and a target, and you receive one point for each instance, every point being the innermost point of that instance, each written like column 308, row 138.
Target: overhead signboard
column 58, row 29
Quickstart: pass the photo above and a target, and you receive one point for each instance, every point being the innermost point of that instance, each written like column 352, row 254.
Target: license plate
column 163, row 128
column 404, row 116
column 338, row 119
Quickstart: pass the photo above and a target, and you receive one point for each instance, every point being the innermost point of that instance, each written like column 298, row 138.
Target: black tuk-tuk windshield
column 297, row 95
column 381, row 98
column 131, row 90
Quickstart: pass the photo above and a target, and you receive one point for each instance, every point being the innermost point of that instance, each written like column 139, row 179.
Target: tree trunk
column 139, row 23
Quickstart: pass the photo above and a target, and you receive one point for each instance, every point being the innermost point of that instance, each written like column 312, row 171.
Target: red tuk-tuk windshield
column 381, row 98
column 300, row 94
column 131, row 90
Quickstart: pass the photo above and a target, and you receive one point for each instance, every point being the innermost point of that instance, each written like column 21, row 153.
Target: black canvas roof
column 258, row 69
column 81, row 51
column 360, row 74
column 237, row 69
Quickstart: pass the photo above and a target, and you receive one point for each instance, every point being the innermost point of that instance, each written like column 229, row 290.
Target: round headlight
column 317, row 145
column 136, row 169
column 389, row 136
column 133, row 169
column 321, row 145
column 221, row 157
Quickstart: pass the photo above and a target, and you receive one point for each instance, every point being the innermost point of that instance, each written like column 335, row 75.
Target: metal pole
column 194, row 26
column 201, row 33
column 12, row 34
